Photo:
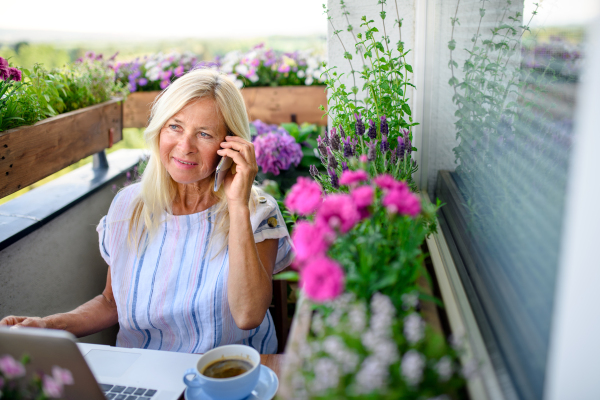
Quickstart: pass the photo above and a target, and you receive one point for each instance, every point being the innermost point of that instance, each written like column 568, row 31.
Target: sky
column 168, row 19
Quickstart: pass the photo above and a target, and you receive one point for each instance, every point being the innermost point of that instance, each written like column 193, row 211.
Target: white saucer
column 265, row 388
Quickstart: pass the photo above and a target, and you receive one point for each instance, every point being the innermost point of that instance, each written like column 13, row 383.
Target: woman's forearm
column 97, row 314
column 249, row 287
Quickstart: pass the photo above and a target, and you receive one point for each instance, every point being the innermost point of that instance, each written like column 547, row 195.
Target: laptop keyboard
column 115, row 392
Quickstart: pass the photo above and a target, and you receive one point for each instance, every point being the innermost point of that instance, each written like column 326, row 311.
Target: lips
column 184, row 162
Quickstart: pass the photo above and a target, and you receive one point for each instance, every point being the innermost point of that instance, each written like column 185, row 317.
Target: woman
column 189, row 268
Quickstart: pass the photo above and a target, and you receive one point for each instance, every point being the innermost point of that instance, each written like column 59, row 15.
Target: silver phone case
column 221, row 171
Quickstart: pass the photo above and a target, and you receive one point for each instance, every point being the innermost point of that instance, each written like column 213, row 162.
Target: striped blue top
column 173, row 295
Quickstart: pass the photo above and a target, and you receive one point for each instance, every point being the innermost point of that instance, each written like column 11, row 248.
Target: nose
column 187, row 144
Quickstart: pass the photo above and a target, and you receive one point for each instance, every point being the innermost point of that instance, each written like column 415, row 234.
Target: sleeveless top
column 173, row 295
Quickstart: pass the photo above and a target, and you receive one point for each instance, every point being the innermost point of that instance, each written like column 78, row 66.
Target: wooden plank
column 272, row 105
column 136, row 111
column 31, row 153
column 275, row 105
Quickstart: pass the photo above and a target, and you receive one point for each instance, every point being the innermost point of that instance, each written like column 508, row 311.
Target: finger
column 236, row 156
column 246, row 148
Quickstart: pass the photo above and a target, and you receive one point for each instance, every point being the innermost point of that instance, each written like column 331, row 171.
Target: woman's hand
column 26, row 322
column 239, row 185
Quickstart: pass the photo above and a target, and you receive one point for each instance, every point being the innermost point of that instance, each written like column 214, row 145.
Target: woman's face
column 189, row 141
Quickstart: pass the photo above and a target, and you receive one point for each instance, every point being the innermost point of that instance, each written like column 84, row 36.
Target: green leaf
column 348, row 56
column 291, row 276
column 452, row 44
column 408, row 68
column 382, row 14
column 406, row 108
column 453, row 81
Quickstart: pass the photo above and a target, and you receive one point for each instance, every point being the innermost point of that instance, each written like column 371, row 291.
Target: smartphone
column 222, row 169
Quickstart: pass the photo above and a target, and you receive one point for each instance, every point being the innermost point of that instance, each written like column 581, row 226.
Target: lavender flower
column 342, row 133
column 384, row 146
column 400, row 148
column 383, row 127
column 331, row 161
column 360, row 126
column 276, row 151
column 344, row 166
column 321, row 146
column 334, row 179
column 314, row 172
column 372, row 152
column 394, row 158
column 372, row 130
column 407, row 144
column 334, row 140
column 326, row 139
column 348, row 150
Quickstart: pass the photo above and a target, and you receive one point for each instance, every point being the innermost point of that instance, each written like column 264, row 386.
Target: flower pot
column 31, row 153
column 272, row 105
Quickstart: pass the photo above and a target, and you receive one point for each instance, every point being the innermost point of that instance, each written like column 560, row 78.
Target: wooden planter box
column 272, row 105
column 31, row 153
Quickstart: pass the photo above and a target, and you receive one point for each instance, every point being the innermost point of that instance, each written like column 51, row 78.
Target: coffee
column 227, row 368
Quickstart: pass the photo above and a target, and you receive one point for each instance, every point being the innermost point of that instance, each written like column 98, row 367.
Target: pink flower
column 401, row 200
column 15, row 74
column 387, row 182
column 305, row 197
column 339, row 212
column 62, row 375
column 283, row 68
column 363, row 158
column 178, row 71
column 322, row 279
column 51, row 387
column 311, row 240
column 164, row 84
column 11, row 368
column 350, row 177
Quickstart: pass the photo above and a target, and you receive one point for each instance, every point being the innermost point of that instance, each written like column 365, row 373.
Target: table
column 273, row 361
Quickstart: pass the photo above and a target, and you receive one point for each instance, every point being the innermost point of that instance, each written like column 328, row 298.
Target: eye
column 204, row 134
column 173, row 127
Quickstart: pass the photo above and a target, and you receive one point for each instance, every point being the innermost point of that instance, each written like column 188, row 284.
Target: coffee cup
column 229, row 388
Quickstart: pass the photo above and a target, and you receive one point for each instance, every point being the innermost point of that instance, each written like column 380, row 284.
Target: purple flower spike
column 394, row 158
column 322, row 147
column 372, row 130
column 372, row 153
column 385, row 146
column 360, row 126
column 326, row 138
column 400, row 148
column 331, row 161
column 407, row 144
column 342, row 133
column 333, row 178
column 384, row 126
column 334, row 140
column 348, row 151
column 344, row 166
column 314, row 172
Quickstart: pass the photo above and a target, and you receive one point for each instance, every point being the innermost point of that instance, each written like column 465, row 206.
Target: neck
column 194, row 197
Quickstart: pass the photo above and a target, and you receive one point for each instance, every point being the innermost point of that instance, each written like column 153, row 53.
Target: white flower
column 444, row 368
column 346, row 358
column 317, row 324
column 253, row 78
column 154, row 73
column 327, row 375
column 414, row 328
column 241, row 69
column 309, row 81
column 301, row 73
column 412, row 366
column 386, row 350
column 357, row 317
column 372, row 375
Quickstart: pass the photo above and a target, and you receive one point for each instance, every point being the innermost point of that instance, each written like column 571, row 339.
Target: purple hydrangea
column 276, row 152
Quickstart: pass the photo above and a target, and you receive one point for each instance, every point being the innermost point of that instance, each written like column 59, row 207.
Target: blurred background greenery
column 57, row 54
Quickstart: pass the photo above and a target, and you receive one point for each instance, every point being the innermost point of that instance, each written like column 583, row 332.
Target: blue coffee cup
column 234, row 388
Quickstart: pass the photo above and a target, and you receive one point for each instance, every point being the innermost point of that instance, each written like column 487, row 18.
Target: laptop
column 100, row 372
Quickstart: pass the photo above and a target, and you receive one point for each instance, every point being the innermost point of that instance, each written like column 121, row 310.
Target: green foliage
column 47, row 93
column 25, row 55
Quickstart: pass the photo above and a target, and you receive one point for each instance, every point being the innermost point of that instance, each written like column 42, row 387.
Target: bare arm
column 249, row 287
column 97, row 314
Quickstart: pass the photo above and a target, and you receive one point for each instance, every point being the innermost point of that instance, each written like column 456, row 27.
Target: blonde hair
column 158, row 189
